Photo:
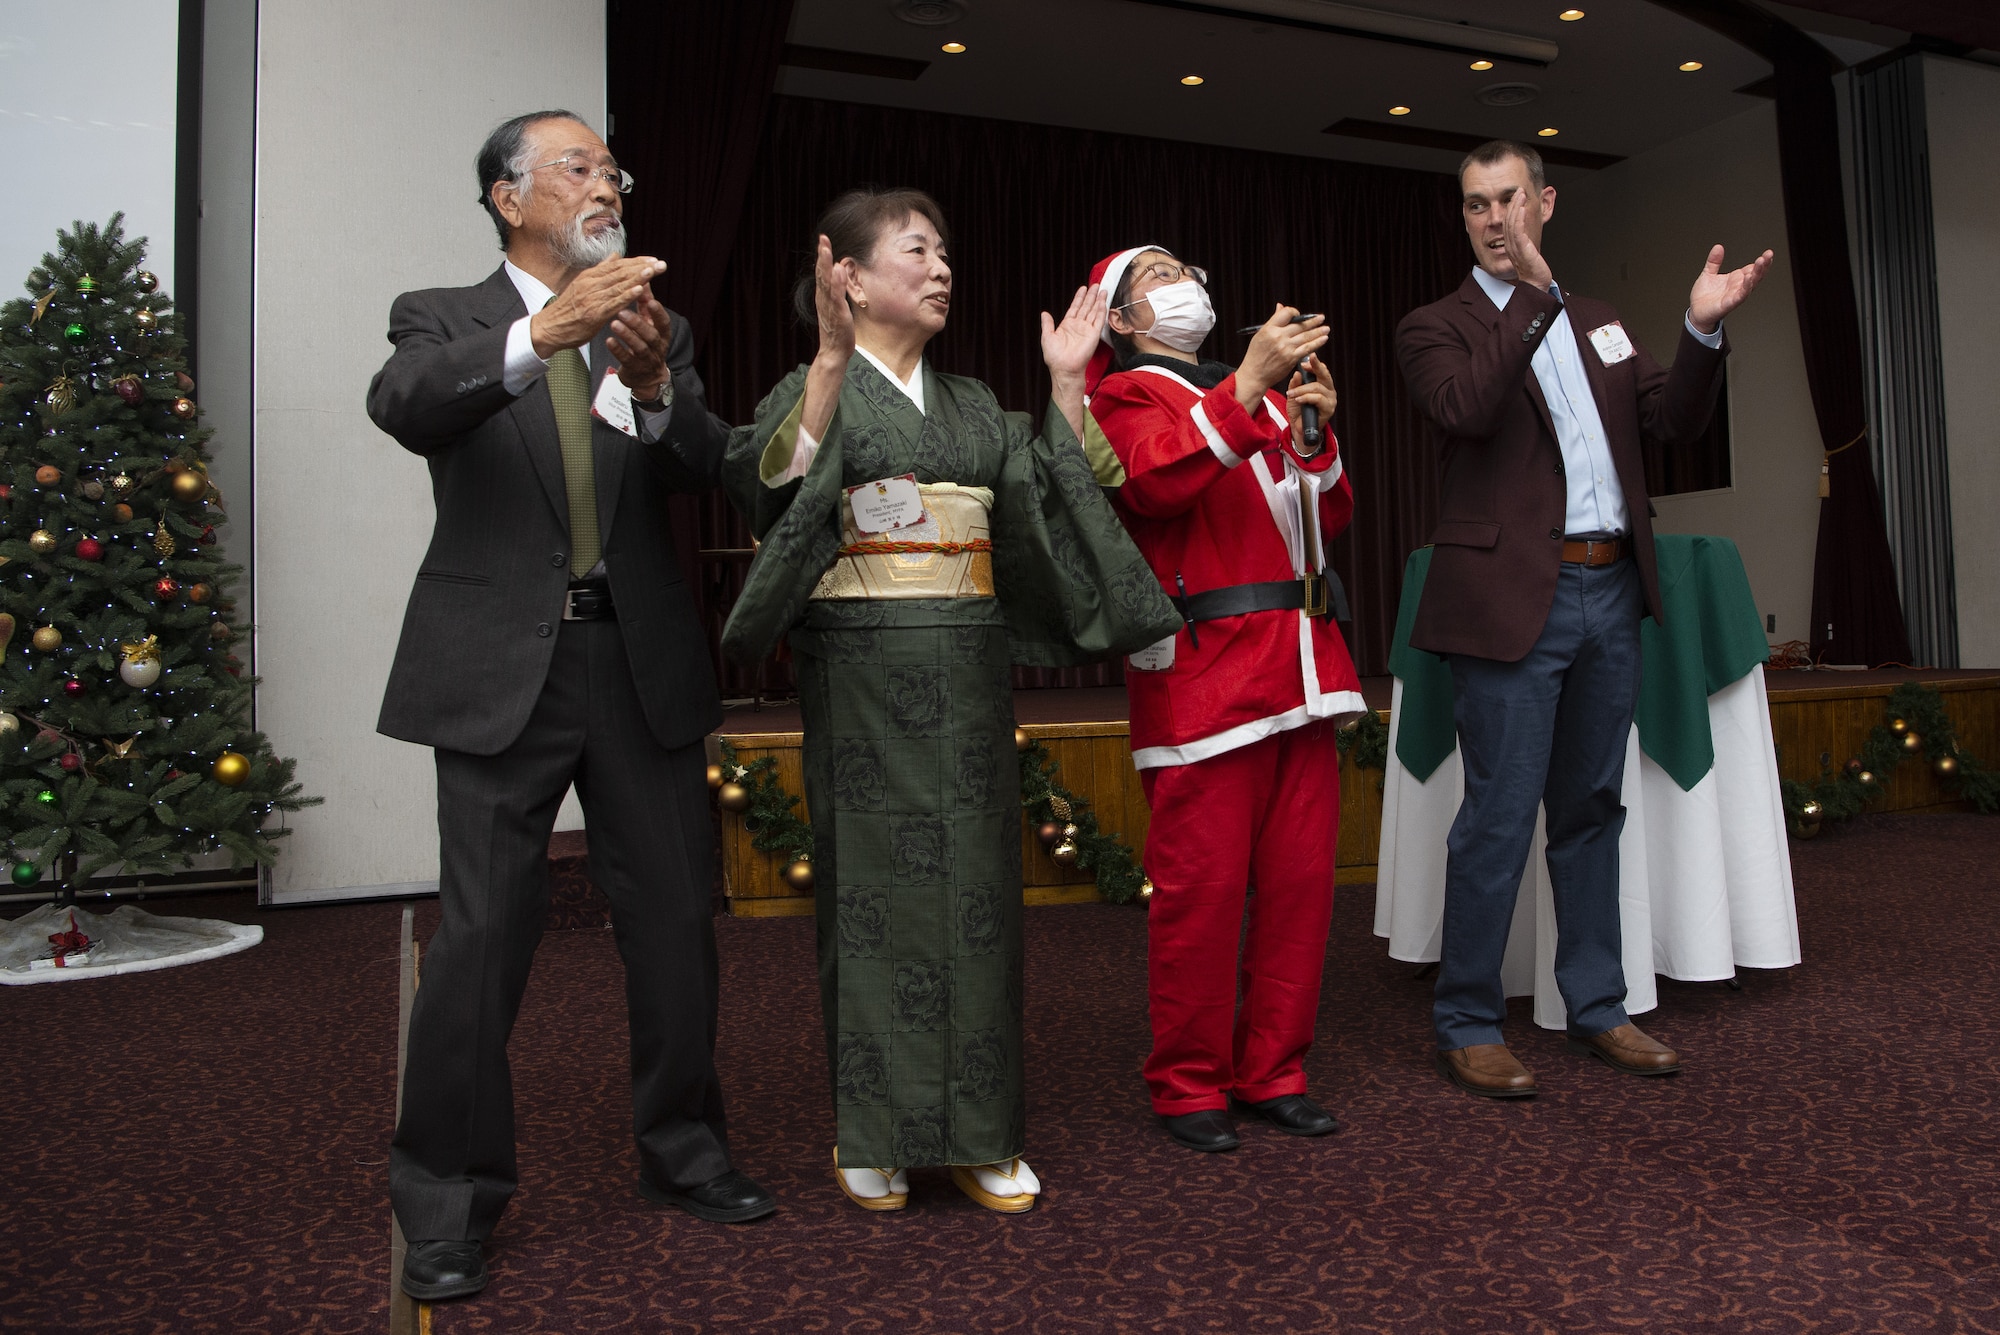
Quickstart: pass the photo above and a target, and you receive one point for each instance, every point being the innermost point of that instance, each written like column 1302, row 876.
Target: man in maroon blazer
column 1542, row 570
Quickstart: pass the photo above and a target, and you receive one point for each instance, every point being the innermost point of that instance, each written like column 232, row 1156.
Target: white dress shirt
column 1596, row 499
column 521, row 367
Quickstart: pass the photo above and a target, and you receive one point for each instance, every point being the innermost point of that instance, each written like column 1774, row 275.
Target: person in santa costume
column 1233, row 716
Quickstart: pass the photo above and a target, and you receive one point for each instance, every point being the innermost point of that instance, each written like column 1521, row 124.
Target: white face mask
column 1182, row 316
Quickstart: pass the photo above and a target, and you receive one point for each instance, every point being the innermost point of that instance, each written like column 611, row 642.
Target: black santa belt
column 1316, row 595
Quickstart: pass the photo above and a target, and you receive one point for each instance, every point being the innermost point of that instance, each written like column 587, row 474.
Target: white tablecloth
column 1705, row 878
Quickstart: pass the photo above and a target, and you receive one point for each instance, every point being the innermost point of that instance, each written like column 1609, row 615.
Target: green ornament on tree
column 86, row 285
column 26, row 874
column 76, row 334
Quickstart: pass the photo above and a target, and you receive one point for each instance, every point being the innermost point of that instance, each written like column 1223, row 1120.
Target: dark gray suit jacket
column 482, row 619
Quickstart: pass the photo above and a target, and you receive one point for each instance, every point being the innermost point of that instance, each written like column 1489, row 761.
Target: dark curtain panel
column 1032, row 208
column 688, row 86
column 1857, row 613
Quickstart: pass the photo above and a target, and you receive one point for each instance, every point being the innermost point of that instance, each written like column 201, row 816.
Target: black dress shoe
column 1209, row 1130
column 730, row 1199
column 439, row 1269
column 1293, row 1114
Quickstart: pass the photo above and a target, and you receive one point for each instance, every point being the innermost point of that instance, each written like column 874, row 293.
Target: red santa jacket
column 1211, row 497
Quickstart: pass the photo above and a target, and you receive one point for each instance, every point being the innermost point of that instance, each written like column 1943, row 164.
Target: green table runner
column 1712, row 637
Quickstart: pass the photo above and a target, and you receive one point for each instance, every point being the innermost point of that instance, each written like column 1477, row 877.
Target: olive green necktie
column 569, row 391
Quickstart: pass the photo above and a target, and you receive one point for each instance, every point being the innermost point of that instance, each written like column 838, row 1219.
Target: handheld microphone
column 1309, row 428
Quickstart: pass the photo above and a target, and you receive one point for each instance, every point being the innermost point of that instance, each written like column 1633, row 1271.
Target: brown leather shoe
column 1626, row 1049
column 1488, row 1070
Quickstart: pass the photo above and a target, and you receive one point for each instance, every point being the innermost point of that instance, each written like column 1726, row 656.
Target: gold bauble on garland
column 1146, row 890
column 1899, row 726
column 799, row 875
column 733, row 797
column 1946, row 766
column 1912, row 743
column 714, row 777
column 1806, row 821
column 1048, row 832
column 1020, row 739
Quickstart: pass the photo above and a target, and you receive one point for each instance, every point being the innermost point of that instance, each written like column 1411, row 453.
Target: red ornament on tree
column 70, row 760
column 6, row 492
column 73, row 688
column 89, row 549
column 129, row 388
column 207, row 538
column 166, row 586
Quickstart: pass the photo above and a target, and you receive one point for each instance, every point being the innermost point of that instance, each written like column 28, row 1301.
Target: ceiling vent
column 1509, row 94
column 929, row 13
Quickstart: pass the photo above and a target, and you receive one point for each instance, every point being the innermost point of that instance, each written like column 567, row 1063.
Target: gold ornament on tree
column 230, row 769
column 145, row 319
column 1805, row 824
column 733, row 797
column 1146, row 891
column 145, row 282
column 799, row 875
column 9, row 727
column 41, row 307
column 60, row 396
column 121, row 485
column 121, row 750
column 42, row 541
column 188, row 485
column 184, row 408
column 163, row 541
column 46, row 639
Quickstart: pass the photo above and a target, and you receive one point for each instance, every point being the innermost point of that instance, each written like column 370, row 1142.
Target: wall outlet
column 1771, row 623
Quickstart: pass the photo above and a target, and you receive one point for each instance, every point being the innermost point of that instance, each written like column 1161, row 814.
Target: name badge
column 886, row 503
column 1154, row 657
column 1611, row 344
column 614, row 403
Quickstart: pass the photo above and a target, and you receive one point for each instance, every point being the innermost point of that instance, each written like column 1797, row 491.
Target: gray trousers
column 451, row 1164
column 1549, row 730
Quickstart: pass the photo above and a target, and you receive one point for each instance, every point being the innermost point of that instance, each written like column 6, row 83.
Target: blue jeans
column 1549, row 730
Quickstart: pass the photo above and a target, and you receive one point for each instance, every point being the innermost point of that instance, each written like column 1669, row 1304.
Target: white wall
column 1963, row 111
column 87, row 113
column 369, row 113
column 1636, row 235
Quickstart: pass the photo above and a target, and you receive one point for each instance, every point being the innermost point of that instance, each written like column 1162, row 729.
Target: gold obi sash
column 949, row 555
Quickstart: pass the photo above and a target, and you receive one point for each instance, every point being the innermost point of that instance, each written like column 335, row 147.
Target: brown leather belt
column 1595, row 552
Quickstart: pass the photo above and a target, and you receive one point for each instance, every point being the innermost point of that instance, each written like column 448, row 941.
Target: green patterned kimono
column 911, row 776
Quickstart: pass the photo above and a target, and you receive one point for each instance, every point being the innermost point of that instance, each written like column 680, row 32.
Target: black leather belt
column 587, row 602
column 1315, row 595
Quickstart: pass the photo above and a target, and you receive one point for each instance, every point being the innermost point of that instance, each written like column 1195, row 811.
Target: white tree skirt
column 125, row 940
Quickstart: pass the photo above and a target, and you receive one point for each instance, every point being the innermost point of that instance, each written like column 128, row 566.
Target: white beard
column 580, row 250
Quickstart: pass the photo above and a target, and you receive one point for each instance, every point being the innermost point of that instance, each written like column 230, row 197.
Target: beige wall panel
column 369, row 113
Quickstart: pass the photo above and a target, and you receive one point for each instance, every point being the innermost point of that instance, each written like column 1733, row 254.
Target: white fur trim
column 1329, row 704
column 1115, row 271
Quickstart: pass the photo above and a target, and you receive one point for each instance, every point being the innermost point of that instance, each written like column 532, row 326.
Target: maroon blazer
column 1498, row 542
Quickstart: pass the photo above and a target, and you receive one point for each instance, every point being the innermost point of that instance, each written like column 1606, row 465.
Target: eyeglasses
column 1173, row 273
column 581, row 172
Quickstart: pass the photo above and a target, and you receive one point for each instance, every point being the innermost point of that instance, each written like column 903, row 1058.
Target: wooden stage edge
column 1814, row 714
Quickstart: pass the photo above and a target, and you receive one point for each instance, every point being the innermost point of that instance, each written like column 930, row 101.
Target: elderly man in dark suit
column 1542, row 570
column 551, row 639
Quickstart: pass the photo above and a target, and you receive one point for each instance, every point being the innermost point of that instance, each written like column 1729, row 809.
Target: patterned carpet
column 202, row 1149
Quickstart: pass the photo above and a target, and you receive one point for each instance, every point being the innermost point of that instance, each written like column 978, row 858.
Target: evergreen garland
column 1841, row 794
column 774, row 828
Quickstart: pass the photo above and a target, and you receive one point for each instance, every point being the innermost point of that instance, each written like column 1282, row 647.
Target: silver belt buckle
column 569, row 604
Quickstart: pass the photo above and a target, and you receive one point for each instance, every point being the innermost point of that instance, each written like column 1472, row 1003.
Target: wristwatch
column 660, row 404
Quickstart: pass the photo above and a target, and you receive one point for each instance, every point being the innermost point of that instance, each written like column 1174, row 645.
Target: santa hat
column 1105, row 277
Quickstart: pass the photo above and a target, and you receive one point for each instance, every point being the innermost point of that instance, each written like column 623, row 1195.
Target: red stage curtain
column 1032, row 207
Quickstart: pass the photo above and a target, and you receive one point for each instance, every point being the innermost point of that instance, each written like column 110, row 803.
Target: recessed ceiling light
column 1570, row 15
column 1192, row 80
column 1548, row 131
column 954, row 48
column 1690, row 66
column 1482, row 64
column 1399, row 111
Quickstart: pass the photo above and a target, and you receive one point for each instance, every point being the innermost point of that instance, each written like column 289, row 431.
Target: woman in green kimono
column 916, row 542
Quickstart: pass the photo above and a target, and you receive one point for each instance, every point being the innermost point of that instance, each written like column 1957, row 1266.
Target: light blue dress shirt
column 1596, row 500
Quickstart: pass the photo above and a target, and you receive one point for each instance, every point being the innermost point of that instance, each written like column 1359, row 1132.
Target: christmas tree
column 125, row 735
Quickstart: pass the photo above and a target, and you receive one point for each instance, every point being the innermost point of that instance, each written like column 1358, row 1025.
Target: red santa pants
column 1267, row 813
